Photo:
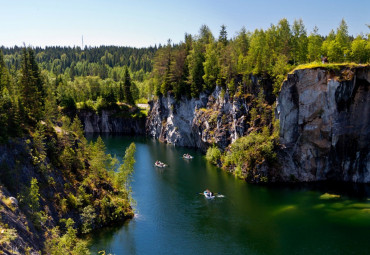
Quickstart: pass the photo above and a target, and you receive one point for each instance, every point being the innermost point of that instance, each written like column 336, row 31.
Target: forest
column 96, row 77
column 100, row 77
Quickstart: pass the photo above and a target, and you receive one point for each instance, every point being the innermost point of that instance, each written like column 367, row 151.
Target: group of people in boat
column 187, row 156
column 159, row 164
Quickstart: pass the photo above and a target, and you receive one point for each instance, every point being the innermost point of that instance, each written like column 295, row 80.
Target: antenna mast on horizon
column 82, row 42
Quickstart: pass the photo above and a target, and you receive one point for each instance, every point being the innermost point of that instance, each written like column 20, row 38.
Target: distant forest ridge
column 199, row 62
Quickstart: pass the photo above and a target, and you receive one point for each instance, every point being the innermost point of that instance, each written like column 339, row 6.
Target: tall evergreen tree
column 166, row 85
column 196, row 59
column 223, row 35
column 4, row 74
column 127, row 87
column 31, row 87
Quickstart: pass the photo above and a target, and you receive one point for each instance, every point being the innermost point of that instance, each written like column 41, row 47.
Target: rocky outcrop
column 210, row 119
column 111, row 121
column 217, row 118
column 325, row 125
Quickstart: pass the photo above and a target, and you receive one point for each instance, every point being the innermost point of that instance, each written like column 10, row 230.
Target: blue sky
column 142, row 23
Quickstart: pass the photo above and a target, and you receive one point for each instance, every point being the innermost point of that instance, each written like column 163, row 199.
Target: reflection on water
column 175, row 218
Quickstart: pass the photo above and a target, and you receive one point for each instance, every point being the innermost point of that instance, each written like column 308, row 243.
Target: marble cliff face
column 324, row 123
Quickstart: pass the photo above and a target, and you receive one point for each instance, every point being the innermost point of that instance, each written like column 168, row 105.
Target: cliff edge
column 325, row 125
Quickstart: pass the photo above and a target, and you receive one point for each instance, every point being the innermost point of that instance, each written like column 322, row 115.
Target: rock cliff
column 215, row 118
column 210, row 119
column 110, row 121
column 325, row 125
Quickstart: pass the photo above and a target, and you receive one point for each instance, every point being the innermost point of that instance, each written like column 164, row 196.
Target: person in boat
column 207, row 193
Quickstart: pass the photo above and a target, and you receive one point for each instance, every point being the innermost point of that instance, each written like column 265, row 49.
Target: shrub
column 88, row 216
column 67, row 243
column 252, row 149
column 213, row 154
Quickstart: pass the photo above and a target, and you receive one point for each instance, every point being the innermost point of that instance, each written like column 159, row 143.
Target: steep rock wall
column 109, row 121
column 325, row 125
column 198, row 122
column 210, row 119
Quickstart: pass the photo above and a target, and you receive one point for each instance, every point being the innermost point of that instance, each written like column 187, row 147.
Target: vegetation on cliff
column 54, row 184
column 202, row 62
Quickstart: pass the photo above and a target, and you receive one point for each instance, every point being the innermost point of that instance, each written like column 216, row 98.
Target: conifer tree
column 223, row 35
column 121, row 95
column 31, row 87
column 127, row 87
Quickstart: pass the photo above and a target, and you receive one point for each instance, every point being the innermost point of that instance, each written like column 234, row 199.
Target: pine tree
column 32, row 93
column 127, row 87
column 121, row 95
column 4, row 74
column 196, row 59
column 223, row 35
column 166, row 85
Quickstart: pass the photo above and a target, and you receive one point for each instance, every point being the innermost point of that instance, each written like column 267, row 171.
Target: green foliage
column 211, row 67
column 314, row 46
column 7, row 236
column 360, row 50
column 30, row 201
column 213, row 154
column 32, row 93
column 299, row 42
column 125, row 171
column 88, row 217
column 68, row 243
column 77, row 127
column 127, row 88
column 33, row 196
column 38, row 153
column 251, row 150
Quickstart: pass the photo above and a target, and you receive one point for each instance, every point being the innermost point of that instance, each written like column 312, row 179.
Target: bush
column 213, row 154
column 251, row 150
column 88, row 216
column 67, row 243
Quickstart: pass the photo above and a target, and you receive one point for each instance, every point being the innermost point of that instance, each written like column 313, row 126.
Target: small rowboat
column 187, row 156
column 208, row 195
column 160, row 164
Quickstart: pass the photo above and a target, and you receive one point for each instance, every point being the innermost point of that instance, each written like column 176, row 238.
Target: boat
column 159, row 164
column 187, row 156
column 208, row 194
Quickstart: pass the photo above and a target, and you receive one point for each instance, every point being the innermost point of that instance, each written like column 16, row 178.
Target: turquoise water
column 173, row 218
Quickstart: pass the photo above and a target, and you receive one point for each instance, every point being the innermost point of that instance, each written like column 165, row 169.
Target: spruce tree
column 223, row 35
column 127, row 87
column 31, row 91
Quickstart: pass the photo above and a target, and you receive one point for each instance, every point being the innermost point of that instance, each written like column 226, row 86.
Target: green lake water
column 173, row 218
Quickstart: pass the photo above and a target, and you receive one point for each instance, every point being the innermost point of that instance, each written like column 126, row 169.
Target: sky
column 142, row 23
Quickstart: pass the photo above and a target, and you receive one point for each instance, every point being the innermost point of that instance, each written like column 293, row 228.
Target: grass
column 329, row 66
